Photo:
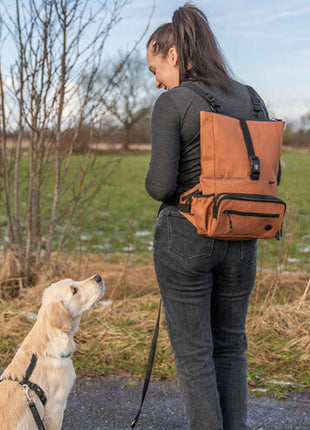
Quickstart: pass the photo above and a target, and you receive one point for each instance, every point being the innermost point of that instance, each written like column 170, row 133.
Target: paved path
column 111, row 403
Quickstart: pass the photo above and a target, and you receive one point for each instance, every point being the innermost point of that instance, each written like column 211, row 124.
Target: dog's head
column 66, row 300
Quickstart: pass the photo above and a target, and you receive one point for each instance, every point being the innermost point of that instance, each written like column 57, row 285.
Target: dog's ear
column 59, row 317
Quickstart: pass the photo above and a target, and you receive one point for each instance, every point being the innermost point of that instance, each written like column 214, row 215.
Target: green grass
column 121, row 218
column 128, row 222
column 293, row 251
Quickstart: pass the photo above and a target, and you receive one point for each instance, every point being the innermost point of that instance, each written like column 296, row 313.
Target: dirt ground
column 111, row 403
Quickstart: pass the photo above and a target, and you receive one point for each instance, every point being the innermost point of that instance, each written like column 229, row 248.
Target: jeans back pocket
column 184, row 239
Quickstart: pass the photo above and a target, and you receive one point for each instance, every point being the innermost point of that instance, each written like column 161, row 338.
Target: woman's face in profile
column 166, row 70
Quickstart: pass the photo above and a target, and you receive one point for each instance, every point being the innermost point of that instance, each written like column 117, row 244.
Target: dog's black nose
column 98, row 278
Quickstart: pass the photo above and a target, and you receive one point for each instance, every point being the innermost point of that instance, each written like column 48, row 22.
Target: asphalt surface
column 111, row 403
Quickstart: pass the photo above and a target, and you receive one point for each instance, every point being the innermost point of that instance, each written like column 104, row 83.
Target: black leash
column 148, row 369
column 36, row 415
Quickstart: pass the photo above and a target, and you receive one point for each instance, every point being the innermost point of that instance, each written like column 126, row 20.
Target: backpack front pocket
column 239, row 216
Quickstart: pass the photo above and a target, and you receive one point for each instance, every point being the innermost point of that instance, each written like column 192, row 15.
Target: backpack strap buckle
column 255, row 167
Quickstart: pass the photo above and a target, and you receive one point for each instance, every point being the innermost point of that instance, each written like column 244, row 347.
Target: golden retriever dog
column 49, row 347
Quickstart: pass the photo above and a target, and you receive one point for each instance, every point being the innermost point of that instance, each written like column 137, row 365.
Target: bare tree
column 59, row 49
column 298, row 134
column 305, row 120
column 132, row 96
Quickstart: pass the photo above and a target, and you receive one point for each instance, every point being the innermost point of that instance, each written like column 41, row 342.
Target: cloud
column 290, row 109
column 295, row 12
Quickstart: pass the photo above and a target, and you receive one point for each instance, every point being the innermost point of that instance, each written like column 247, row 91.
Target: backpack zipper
column 246, row 197
column 253, row 214
column 197, row 194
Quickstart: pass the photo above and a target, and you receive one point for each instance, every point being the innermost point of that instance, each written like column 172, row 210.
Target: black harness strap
column 34, row 387
column 30, row 369
column 28, row 385
column 39, row 392
column 148, row 369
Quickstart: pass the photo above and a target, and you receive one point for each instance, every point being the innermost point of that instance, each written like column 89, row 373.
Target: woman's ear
column 173, row 56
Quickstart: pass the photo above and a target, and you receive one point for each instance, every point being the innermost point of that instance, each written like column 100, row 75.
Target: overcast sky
column 266, row 43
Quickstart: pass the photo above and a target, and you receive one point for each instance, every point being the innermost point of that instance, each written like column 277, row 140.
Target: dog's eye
column 74, row 290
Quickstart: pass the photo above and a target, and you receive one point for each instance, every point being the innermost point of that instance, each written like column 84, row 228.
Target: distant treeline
column 140, row 133
column 296, row 137
column 86, row 136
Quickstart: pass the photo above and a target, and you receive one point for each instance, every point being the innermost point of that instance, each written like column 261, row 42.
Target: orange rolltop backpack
column 236, row 197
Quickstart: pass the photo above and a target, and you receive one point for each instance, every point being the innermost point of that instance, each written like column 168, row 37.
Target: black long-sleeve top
column 175, row 133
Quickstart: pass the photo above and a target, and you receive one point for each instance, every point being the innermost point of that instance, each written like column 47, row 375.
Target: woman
column 205, row 284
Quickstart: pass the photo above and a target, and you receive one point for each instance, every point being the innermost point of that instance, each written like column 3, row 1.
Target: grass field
column 116, row 242
column 121, row 218
column 127, row 223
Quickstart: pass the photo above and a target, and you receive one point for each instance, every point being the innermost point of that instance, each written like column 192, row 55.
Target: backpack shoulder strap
column 256, row 102
column 204, row 94
column 255, row 99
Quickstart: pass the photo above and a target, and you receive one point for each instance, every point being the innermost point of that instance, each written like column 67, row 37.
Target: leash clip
column 31, row 400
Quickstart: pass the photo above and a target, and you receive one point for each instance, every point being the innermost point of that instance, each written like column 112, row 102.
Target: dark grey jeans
column 205, row 286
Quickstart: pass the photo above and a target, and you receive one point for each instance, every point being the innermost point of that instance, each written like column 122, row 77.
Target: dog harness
column 28, row 385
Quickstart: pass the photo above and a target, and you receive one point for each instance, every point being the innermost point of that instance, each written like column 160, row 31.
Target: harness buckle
column 31, row 400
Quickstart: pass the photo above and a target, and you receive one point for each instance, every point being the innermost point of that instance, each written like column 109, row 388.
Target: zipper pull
column 188, row 198
column 279, row 234
column 229, row 217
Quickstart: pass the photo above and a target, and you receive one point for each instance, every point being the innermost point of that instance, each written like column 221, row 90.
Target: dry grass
column 115, row 339
column 279, row 331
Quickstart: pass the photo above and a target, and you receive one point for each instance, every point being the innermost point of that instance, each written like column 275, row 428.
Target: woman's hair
column 199, row 54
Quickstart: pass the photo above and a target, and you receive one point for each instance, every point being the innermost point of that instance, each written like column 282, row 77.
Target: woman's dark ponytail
column 198, row 51
column 199, row 55
column 185, row 39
